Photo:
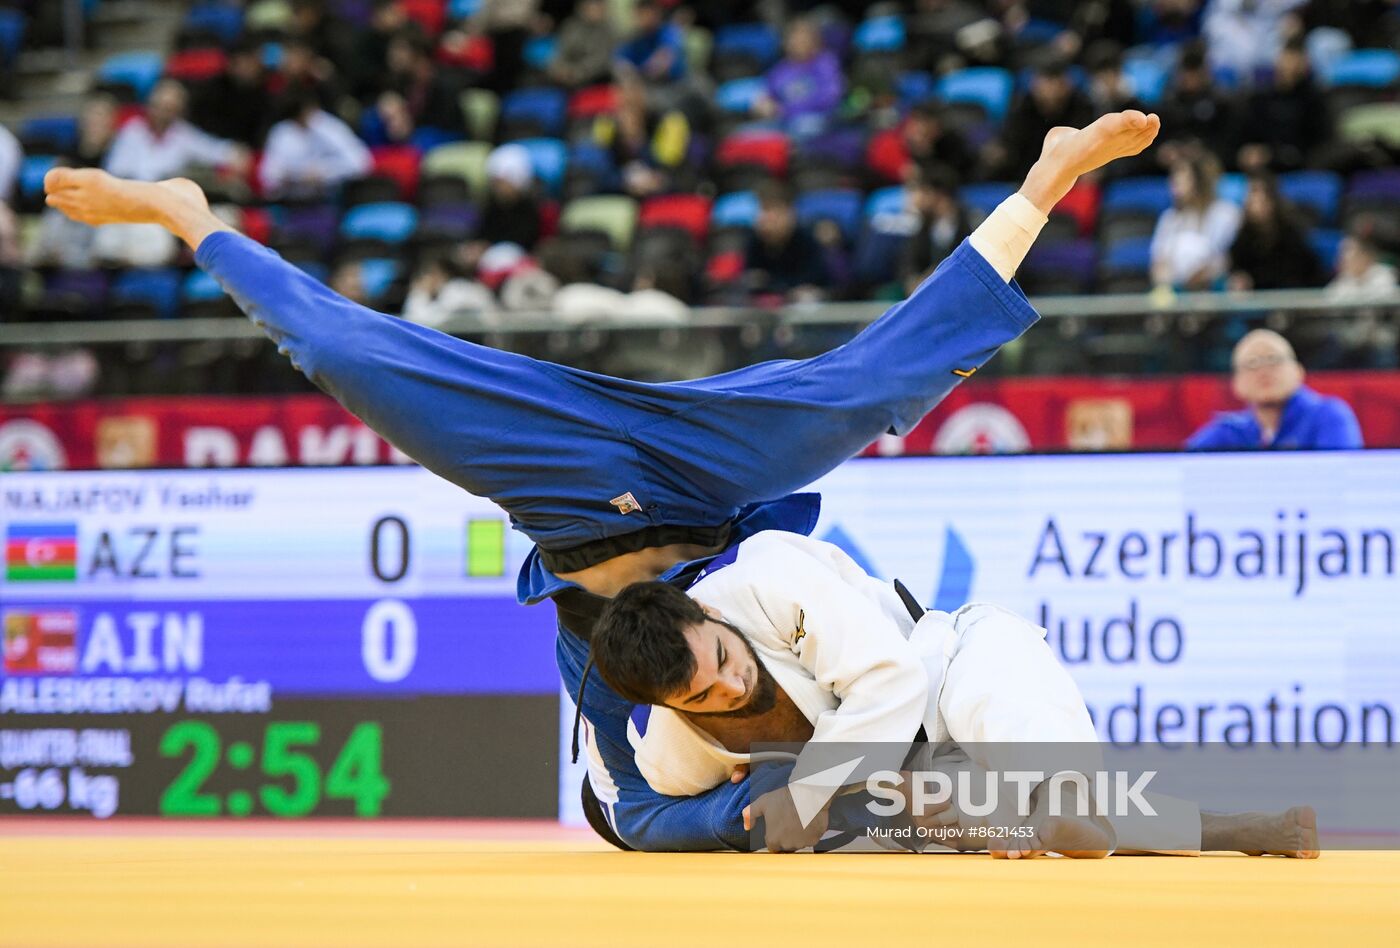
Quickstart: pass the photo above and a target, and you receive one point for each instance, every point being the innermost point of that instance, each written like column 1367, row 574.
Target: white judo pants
column 994, row 684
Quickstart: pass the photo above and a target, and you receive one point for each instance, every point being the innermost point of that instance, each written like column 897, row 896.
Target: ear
column 710, row 611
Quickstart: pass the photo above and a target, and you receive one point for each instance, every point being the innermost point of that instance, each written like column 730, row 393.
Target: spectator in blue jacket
column 656, row 48
column 1282, row 413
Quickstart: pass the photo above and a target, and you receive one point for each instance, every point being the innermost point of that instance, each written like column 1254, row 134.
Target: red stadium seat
column 687, row 212
column 429, row 14
column 887, row 156
column 196, row 65
column 257, row 224
column 769, row 150
column 1082, row 204
column 399, row 163
column 595, row 100
column 725, row 267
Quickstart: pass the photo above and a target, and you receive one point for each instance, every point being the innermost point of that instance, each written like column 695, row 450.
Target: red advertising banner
column 980, row 416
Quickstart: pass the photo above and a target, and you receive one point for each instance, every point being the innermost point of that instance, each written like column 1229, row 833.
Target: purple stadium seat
column 313, row 224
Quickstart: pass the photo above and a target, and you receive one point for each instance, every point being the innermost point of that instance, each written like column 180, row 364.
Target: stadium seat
column 1380, row 185
column 989, row 87
column 455, row 221
column 880, row 34
column 884, row 202
column 199, row 287
column 313, row 224
column 687, row 212
column 75, row 293
column 374, row 189
column 765, row 149
column 221, row 22
column 1232, row 187
column 611, row 214
column 1148, row 79
column 983, row 198
column 912, row 88
column 31, row 179
column 196, row 65
column 593, row 101
column 1065, row 267
column 1368, row 68
column 268, row 16
column 1149, row 195
column 738, row 96
column 1132, row 256
column 840, row 206
column 459, row 10
column 591, row 171
column 465, row 160
column 159, row 288
column 743, row 49
column 12, row 29
column 134, row 72
column 842, row 148
column 1319, row 193
column 378, row 275
column 387, row 222
column 1326, row 244
column 739, row 209
column 49, row 134
column 533, row 113
column 400, row 164
column 539, row 52
column 480, row 109
column 550, row 158
column 443, row 189
column 429, row 15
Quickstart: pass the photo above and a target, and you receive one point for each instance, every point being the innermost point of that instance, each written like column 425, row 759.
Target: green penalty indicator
column 486, row 547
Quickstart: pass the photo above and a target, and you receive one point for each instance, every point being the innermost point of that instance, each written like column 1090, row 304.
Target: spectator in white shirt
column 1191, row 245
column 1360, row 272
column 11, row 155
column 163, row 145
column 311, row 153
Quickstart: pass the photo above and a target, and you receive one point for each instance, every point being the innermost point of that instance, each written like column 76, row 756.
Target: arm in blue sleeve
column 1214, row 435
column 1337, row 427
column 650, row 822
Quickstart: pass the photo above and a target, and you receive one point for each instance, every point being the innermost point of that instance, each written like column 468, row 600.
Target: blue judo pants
column 553, row 445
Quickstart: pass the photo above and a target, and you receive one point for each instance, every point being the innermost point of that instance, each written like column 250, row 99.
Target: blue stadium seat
column 542, row 110
column 1149, row 79
column 1232, row 187
column 758, row 42
column 737, row 96
column 911, row 88
column 138, row 71
column 988, row 86
column 885, row 201
column 31, row 175
column 739, row 209
column 985, row 197
column 1326, row 244
column 158, row 287
column 458, row 10
column 199, row 287
column 378, row 275
column 12, row 24
column 1320, row 191
column 1144, row 195
column 842, row 205
column 1133, row 255
column 220, row 20
column 539, row 51
column 52, row 133
column 388, row 221
column 1372, row 68
column 550, row 158
column 881, row 34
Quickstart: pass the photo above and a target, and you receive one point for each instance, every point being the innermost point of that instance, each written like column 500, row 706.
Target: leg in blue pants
column 553, row 445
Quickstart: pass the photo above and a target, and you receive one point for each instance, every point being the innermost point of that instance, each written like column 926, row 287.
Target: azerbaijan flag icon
column 41, row 552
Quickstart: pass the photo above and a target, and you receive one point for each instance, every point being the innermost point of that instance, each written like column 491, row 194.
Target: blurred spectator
column 585, row 52
column 431, row 98
column 1281, row 412
column 1109, row 89
column 1168, row 22
column 922, row 139
column 1195, row 111
column 1271, row 250
column 656, row 48
column 365, row 70
column 508, row 23
column 10, row 261
column 440, row 290
column 1368, row 22
column 305, row 71
column 161, row 144
column 649, row 148
column 310, row 154
column 11, row 157
column 1245, row 35
column 1360, row 271
column 940, row 28
column 512, row 213
column 348, row 279
column 942, row 224
column 235, row 104
column 804, row 89
column 332, row 38
column 97, row 127
column 1287, row 120
column 1052, row 100
column 1192, row 240
column 783, row 259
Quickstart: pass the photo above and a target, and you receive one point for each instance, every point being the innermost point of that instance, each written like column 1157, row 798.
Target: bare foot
column 1292, row 833
column 94, row 197
column 1071, row 152
column 1078, row 837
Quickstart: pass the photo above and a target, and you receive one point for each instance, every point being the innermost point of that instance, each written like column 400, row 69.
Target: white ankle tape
column 1005, row 237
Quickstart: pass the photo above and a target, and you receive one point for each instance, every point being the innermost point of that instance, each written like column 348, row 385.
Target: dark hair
column 773, row 193
column 639, row 644
column 936, row 176
column 928, row 109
